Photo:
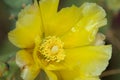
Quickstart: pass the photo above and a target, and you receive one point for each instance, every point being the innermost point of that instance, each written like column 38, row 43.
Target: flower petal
column 27, row 27
column 51, row 75
column 48, row 8
column 85, row 63
column 57, row 23
column 75, row 75
column 90, row 60
column 84, row 31
column 24, row 57
column 30, row 73
column 25, row 61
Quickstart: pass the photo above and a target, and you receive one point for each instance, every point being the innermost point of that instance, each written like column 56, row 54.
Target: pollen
column 52, row 50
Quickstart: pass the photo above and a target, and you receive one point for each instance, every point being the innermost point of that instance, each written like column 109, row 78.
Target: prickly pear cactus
column 113, row 4
column 16, row 5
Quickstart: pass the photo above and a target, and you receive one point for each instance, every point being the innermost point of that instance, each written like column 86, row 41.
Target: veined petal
column 57, row 66
column 27, row 27
column 57, row 23
column 85, row 63
column 25, row 61
column 75, row 75
column 48, row 8
column 89, row 60
column 84, row 31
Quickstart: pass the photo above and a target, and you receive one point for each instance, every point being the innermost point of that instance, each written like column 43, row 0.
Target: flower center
column 52, row 49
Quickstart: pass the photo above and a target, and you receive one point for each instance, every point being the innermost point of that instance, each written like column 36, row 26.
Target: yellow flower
column 65, row 44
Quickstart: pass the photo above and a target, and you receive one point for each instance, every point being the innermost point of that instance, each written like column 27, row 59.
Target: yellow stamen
column 52, row 49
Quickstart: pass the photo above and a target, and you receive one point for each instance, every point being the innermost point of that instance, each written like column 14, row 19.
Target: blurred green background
column 9, row 10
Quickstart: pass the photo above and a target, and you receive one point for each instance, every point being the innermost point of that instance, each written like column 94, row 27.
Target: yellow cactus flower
column 65, row 44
